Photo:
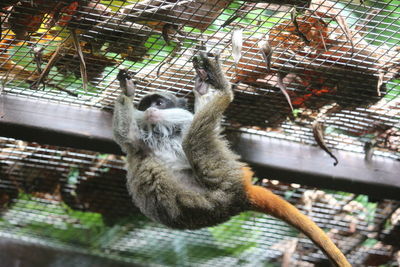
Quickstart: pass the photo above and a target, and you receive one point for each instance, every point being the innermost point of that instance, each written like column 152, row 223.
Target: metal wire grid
column 362, row 116
column 77, row 199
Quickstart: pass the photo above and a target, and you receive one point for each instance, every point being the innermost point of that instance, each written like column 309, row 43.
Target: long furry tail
column 263, row 200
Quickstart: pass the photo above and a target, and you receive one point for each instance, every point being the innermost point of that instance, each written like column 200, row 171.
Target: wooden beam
column 85, row 128
column 57, row 124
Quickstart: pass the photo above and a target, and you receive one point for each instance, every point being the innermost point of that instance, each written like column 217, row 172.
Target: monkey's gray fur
column 181, row 172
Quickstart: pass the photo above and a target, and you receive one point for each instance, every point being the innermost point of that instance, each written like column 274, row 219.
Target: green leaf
column 234, row 229
column 370, row 242
column 73, row 175
column 393, row 90
column 116, row 5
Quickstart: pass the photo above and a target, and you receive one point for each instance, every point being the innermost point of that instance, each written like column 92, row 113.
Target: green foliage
column 158, row 48
column 341, row 193
column 116, row 5
column 288, row 194
column 73, row 175
column 23, row 56
column 393, row 90
column 370, row 207
column 227, row 13
column 234, row 229
column 158, row 51
column 385, row 27
column 262, row 20
column 369, row 242
column 55, row 221
column 19, row 57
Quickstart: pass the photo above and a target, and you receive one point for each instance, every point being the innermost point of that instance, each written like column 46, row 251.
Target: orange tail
column 265, row 201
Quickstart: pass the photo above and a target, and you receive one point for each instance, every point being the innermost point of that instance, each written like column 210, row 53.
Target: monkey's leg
column 162, row 197
column 216, row 166
column 205, row 149
column 211, row 85
column 201, row 99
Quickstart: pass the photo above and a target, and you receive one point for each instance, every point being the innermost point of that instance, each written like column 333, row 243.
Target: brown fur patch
column 247, row 175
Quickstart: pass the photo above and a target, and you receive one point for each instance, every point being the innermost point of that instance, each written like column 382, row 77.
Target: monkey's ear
column 182, row 103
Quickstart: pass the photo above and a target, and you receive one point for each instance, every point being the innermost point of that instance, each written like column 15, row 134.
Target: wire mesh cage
column 295, row 65
column 77, row 199
column 336, row 62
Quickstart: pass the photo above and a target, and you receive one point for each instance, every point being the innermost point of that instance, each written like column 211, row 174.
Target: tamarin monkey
column 181, row 171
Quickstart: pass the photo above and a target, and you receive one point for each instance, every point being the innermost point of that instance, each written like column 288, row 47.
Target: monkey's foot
column 209, row 72
column 126, row 82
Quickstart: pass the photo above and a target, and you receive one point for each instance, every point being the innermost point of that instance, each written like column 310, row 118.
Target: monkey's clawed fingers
column 204, row 66
column 209, row 70
column 126, row 82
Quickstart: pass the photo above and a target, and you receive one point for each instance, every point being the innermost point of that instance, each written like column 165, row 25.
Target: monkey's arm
column 125, row 129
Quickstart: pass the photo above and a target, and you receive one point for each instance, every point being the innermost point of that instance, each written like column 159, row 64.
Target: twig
column 283, row 89
column 380, row 82
column 293, row 17
column 37, row 58
column 345, row 28
column 318, row 133
column 266, row 52
column 82, row 63
column 48, row 67
column 62, row 89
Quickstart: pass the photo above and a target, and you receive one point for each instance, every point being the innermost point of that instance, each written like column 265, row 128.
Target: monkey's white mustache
column 171, row 116
column 159, row 126
column 153, row 115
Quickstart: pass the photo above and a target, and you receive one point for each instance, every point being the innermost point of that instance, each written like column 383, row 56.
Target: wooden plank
column 85, row 128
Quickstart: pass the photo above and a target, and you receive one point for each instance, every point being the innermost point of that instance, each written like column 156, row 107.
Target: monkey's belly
column 183, row 207
column 193, row 217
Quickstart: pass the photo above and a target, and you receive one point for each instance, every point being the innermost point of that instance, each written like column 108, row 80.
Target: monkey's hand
column 125, row 129
column 126, row 82
column 209, row 72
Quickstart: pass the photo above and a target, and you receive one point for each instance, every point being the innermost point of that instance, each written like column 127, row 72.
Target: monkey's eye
column 160, row 103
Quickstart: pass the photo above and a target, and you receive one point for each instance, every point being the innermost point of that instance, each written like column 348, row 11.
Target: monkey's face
column 157, row 101
column 164, row 108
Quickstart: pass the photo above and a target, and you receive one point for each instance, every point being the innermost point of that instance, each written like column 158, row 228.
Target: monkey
column 180, row 169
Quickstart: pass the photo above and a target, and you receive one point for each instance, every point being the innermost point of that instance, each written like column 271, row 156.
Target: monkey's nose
column 153, row 115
